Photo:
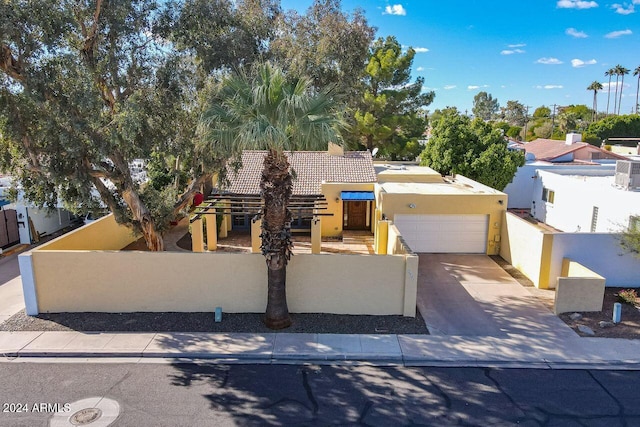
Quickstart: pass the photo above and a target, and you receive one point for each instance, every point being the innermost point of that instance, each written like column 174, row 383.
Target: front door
column 356, row 215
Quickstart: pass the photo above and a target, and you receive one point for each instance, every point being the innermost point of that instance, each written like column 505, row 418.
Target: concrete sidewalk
column 408, row 350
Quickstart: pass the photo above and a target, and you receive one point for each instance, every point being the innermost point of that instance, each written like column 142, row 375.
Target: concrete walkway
column 477, row 314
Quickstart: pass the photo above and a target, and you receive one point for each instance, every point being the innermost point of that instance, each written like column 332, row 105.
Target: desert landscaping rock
column 586, row 330
column 575, row 316
column 604, row 324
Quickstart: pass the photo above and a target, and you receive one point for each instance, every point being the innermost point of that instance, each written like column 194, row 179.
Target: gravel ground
column 204, row 322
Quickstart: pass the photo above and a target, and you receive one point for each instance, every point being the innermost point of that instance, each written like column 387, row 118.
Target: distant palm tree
column 616, row 72
column 621, row 72
column 610, row 72
column 636, row 72
column 595, row 87
column 267, row 110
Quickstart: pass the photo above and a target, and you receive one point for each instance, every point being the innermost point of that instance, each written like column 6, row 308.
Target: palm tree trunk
column 621, row 87
column 276, row 186
column 608, row 94
column 637, row 91
column 615, row 97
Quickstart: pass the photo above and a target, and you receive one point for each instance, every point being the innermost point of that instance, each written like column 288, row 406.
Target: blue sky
column 538, row 52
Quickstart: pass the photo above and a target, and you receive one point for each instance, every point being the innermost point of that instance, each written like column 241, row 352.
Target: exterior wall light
column 412, row 206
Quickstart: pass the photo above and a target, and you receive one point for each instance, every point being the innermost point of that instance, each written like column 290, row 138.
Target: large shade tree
column 88, row 86
column 472, row 148
column 390, row 115
column 264, row 109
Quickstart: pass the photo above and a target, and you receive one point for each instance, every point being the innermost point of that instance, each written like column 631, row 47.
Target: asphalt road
column 163, row 394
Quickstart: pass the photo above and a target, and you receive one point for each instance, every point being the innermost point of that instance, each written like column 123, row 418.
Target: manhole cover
column 85, row 416
column 92, row 412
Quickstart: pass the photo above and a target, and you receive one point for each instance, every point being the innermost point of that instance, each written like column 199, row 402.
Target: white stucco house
column 585, row 200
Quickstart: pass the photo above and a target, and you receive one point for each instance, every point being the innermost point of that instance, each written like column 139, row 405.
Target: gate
column 9, row 234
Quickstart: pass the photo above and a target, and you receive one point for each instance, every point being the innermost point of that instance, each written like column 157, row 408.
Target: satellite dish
column 374, row 152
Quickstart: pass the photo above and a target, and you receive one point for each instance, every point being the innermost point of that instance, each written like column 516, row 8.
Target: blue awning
column 357, row 195
column 4, row 202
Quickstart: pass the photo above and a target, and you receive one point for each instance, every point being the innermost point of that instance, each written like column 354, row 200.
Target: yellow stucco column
column 410, row 285
column 382, row 237
column 225, row 222
column 212, row 232
column 197, row 237
column 255, row 236
column 316, row 235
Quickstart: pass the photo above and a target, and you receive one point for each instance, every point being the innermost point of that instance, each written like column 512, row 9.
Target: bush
column 627, row 296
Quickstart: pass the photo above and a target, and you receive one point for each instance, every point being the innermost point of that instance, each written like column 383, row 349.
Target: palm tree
column 616, row 72
column 595, row 87
column 610, row 72
column 621, row 71
column 636, row 72
column 265, row 110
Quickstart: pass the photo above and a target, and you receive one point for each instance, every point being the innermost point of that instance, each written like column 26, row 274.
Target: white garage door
column 444, row 233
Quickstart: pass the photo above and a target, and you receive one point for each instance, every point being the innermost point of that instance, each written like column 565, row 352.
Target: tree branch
column 10, row 65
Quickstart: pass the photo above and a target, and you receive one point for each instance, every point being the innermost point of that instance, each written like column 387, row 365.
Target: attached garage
column 444, row 233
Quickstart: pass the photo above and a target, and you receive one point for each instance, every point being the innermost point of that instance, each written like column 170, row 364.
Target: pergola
column 308, row 207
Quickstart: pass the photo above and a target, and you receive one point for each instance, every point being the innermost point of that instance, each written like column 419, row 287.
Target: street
column 192, row 394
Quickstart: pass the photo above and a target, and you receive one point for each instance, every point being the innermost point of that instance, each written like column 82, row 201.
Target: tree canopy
column 86, row 87
column 473, row 148
column 389, row 115
column 616, row 126
column 485, row 106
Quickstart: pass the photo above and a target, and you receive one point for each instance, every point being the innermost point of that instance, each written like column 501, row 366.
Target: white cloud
column 549, row 61
column 575, row 33
column 511, row 51
column 474, row 87
column 396, row 9
column 576, row 4
column 512, row 46
column 616, row 34
column 449, row 87
column 420, row 69
column 549, row 87
column 421, row 49
column 579, row 63
column 624, row 9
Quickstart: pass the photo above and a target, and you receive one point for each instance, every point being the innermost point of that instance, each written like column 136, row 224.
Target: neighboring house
column 570, row 150
column 521, row 187
column 585, row 200
column 22, row 222
column 553, row 155
column 624, row 146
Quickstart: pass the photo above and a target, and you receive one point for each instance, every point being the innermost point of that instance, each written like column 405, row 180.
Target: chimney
column 572, row 138
column 335, row 150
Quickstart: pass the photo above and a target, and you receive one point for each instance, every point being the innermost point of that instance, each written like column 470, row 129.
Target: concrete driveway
column 471, row 295
column 11, row 299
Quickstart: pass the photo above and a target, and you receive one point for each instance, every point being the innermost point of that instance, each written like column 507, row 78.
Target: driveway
column 471, row 295
column 11, row 299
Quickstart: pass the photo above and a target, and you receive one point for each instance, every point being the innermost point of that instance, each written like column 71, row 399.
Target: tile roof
column 549, row 149
column 311, row 168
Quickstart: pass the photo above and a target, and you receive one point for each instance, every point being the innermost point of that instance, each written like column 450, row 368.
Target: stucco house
column 570, row 150
column 583, row 200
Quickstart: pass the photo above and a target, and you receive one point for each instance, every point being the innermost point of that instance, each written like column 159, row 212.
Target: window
column 548, row 195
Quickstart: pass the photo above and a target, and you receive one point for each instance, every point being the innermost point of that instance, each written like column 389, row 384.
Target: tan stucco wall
column 391, row 204
column 103, row 234
column 78, row 281
column 527, row 248
column 579, row 289
column 332, row 225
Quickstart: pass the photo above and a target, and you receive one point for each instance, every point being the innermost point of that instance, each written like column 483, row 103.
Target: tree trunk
column 142, row 219
column 276, row 185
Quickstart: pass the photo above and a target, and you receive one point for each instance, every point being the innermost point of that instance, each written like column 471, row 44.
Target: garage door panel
column 444, row 233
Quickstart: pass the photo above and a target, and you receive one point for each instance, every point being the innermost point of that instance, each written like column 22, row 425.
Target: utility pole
column 553, row 119
column 526, row 120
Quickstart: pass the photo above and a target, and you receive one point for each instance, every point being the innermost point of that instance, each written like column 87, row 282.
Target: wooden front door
column 356, row 215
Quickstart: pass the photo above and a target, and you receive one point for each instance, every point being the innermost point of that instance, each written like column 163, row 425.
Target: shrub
column 627, row 296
